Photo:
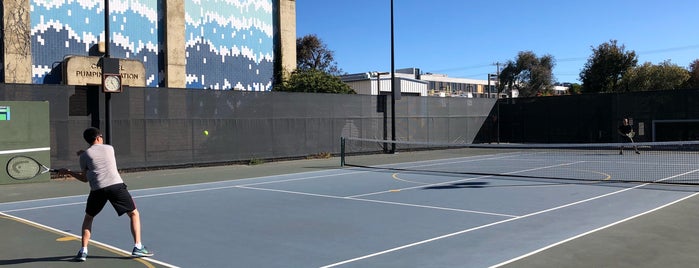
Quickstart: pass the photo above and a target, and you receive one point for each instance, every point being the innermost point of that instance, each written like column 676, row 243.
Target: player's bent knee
column 133, row 213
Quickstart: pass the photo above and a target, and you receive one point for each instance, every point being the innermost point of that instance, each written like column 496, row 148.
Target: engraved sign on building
column 86, row 70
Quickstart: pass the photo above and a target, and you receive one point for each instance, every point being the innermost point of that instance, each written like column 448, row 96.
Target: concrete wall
column 16, row 43
column 287, row 29
column 175, row 70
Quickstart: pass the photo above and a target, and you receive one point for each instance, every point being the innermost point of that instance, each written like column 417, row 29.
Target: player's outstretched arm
column 78, row 175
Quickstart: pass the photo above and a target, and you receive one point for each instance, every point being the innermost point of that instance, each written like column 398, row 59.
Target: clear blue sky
column 464, row 38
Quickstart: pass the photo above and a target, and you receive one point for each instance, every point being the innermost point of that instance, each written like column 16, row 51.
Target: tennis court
column 515, row 209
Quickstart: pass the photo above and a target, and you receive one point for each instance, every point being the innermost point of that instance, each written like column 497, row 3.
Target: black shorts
column 116, row 194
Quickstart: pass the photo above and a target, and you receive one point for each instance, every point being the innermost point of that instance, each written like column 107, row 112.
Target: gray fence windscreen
column 154, row 127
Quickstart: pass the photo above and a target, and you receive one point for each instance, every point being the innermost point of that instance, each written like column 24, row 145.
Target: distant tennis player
column 99, row 168
column 626, row 130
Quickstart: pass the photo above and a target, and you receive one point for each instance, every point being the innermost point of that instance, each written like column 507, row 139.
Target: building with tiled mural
column 203, row 44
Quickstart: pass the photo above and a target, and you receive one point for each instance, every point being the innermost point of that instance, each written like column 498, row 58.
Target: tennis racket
column 25, row 168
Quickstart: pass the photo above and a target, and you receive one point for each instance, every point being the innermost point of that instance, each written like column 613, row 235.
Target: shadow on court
column 458, row 185
column 37, row 261
column 29, row 245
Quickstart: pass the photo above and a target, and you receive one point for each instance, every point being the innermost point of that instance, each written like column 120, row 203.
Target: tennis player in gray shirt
column 99, row 169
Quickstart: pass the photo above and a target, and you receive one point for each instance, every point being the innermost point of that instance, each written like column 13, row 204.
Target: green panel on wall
column 24, row 130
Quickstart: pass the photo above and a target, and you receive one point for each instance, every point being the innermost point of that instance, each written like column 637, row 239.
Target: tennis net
column 657, row 162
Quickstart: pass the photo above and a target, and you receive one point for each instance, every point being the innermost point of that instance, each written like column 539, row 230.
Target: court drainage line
column 143, row 260
column 480, row 227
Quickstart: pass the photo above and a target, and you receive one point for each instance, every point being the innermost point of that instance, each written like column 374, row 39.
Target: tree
column 574, row 89
column 693, row 81
column 316, row 69
column 529, row 74
column 315, row 81
column 606, row 67
column 312, row 54
column 647, row 77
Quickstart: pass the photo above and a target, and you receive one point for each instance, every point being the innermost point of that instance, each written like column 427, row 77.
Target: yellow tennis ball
column 206, row 133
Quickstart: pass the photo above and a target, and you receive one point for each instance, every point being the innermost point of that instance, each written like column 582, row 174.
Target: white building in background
column 371, row 83
column 410, row 82
column 561, row 89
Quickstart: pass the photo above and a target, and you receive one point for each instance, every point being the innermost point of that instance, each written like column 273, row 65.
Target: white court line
column 678, row 175
column 353, row 198
column 480, row 227
column 460, row 160
column 592, row 231
column 249, row 186
column 379, row 201
column 92, row 241
column 341, row 173
column 194, row 185
column 243, row 186
column 42, row 207
column 19, row 151
column 447, row 161
column 467, row 179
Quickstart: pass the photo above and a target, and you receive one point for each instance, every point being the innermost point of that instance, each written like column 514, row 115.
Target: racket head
column 24, row 168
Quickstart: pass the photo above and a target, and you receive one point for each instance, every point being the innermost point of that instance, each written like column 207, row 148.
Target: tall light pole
column 111, row 77
column 393, row 88
column 107, row 95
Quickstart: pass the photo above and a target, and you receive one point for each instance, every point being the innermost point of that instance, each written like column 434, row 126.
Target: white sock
column 83, row 250
column 138, row 245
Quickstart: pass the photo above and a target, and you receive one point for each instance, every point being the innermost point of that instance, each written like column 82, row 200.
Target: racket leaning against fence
column 25, row 168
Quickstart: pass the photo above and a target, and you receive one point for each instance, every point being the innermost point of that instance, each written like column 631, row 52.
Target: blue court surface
column 394, row 216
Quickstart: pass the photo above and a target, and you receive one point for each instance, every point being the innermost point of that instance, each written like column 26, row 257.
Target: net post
column 342, row 151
